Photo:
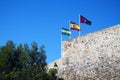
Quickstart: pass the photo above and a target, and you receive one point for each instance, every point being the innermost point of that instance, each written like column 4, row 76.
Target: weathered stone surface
column 95, row 56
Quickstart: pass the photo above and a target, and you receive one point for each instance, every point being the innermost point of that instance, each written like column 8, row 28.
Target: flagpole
column 61, row 43
column 79, row 26
column 69, row 29
column 70, row 35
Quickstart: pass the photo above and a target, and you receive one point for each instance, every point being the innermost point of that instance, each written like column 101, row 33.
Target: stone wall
column 95, row 56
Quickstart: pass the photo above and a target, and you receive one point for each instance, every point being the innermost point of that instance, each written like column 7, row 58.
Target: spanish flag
column 74, row 26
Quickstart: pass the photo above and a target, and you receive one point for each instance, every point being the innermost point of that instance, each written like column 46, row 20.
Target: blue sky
column 24, row 21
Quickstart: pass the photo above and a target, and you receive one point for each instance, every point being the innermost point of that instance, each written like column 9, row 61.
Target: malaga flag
column 84, row 20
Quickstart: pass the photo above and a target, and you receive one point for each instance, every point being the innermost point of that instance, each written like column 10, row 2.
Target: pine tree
column 24, row 63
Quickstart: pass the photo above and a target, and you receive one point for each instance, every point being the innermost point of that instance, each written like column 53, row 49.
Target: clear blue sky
column 24, row 21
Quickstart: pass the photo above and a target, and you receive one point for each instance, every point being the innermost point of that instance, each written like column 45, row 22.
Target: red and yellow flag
column 74, row 26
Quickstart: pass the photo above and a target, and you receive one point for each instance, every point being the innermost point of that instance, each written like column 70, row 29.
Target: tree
column 24, row 63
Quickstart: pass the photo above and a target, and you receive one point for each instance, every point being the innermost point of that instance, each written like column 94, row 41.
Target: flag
column 66, row 31
column 74, row 26
column 84, row 20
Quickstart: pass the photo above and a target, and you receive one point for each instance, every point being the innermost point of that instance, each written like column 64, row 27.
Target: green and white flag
column 66, row 31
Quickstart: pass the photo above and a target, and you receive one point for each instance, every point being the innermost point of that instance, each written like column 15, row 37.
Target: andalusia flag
column 66, row 31
column 74, row 26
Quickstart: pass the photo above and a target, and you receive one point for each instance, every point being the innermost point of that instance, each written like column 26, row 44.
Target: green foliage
column 55, row 65
column 24, row 63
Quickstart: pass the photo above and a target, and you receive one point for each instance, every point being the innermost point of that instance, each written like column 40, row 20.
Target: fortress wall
column 92, row 56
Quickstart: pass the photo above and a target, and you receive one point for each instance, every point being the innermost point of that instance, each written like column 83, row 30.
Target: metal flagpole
column 79, row 26
column 69, row 29
column 61, row 43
